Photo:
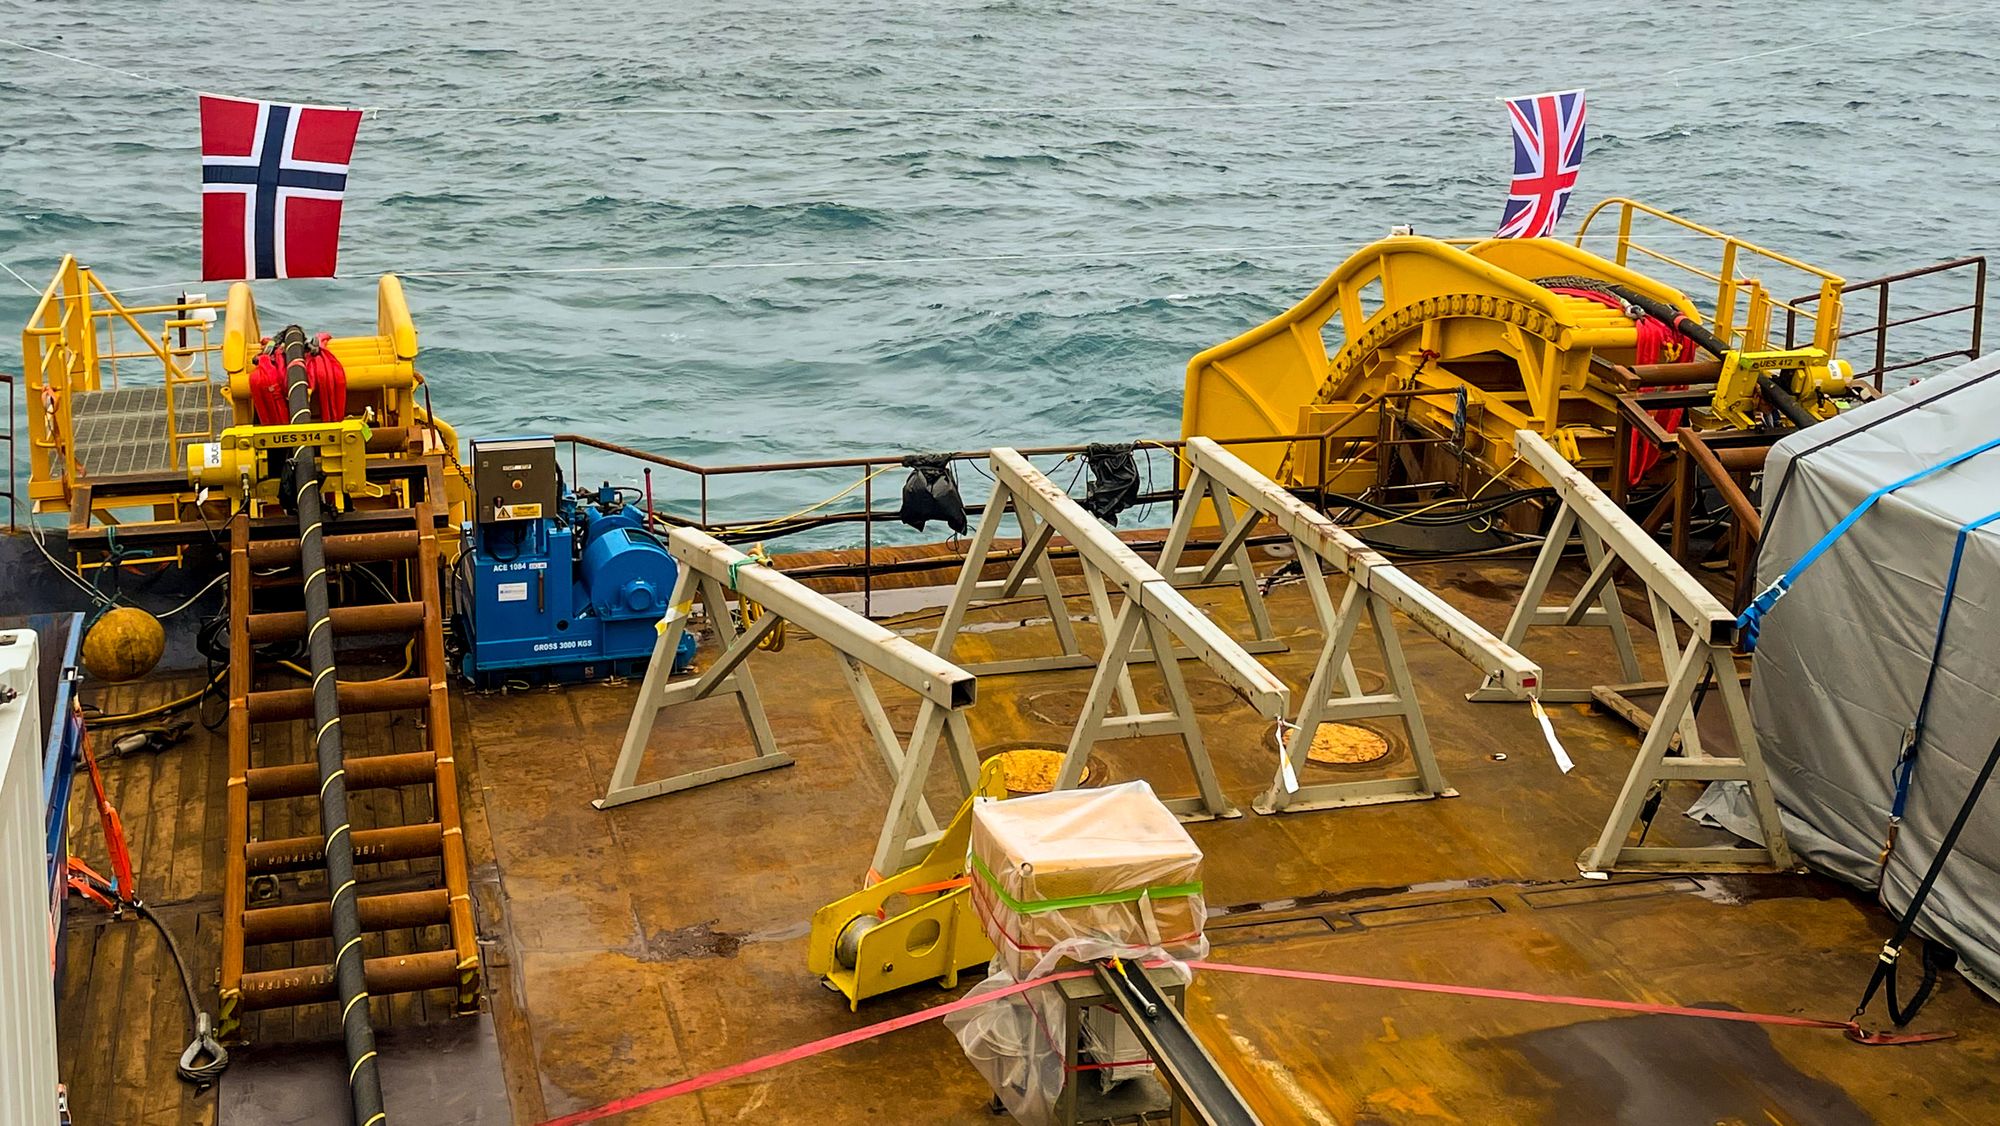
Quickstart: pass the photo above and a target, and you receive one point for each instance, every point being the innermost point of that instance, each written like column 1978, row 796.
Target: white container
column 27, row 991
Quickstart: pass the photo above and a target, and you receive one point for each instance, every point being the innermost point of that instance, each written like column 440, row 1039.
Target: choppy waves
column 1827, row 153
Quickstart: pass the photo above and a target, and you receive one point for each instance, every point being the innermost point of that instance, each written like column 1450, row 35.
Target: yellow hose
column 409, row 659
column 157, row 709
column 747, row 612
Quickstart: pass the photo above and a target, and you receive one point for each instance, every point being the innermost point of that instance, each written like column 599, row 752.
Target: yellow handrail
column 392, row 317
column 1732, row 286
column 63, row 355
column 70, row 345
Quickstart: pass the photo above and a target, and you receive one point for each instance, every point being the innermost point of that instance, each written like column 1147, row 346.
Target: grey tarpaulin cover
column 1841, row 663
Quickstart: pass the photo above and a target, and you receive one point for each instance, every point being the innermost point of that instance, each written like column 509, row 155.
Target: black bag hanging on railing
column 931, row 493
column 1114, row 480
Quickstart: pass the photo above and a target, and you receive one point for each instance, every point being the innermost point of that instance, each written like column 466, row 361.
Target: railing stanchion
column 868, row 541
column 1881, row 334
column 1978, row 305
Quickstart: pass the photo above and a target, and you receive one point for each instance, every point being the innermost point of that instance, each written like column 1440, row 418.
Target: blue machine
column 556, row 586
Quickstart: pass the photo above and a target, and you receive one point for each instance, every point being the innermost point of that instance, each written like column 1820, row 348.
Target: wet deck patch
column 1670, row 1071
column 701, row 940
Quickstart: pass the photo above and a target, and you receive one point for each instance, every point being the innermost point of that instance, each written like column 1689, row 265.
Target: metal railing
column 13, row 475
column 1726, row 469
column 1735, row 291
column 870, row 466
column 1883, row 323
column 70, row 345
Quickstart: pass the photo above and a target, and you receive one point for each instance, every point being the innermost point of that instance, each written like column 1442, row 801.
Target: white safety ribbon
column 1563, row 762
column 1291, row 776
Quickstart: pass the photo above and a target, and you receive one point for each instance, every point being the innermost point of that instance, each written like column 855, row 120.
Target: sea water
column 1136, row 182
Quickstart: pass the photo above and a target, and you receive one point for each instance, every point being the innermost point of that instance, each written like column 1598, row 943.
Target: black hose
column 1785, row 403
column 303, row 483
column 204, row 1059
column 1464, row 513
column 1680, row 322
column 1782, row 400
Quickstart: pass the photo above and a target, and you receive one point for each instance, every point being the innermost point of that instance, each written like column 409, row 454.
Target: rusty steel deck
column 630, row 948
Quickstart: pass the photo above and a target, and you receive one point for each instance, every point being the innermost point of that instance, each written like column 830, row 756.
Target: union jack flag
column 272, row 180
column 1548, row 152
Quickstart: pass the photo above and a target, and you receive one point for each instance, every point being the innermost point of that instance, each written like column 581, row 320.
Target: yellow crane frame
column 69, row 348
column 1458, row 338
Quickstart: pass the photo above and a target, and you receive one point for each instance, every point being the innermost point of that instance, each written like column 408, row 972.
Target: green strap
column 760, row 558
column 1020, row 907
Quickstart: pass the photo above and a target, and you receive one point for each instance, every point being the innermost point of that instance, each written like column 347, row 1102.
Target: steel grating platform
column 124, row 429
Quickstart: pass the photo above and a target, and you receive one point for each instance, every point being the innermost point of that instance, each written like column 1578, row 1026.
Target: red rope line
column 895, row 1024
column 779, row 1059
column 1537, row 998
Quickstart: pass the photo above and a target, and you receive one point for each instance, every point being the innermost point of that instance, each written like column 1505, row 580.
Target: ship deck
column 631, row 948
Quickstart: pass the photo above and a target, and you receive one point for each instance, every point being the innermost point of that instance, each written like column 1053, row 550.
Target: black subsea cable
column 303, row 482
column 1680, row 322
column 1787, row 405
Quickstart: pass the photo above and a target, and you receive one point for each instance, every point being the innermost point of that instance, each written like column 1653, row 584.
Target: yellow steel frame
column 1397, row 317
column 935, row 936
column 69, row 346
column 1735, row 289
column 231, row 462
column 1414, row 324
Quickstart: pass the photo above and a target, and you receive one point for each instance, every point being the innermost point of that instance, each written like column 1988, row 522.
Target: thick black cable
column 351, row 988
column 1885, row 964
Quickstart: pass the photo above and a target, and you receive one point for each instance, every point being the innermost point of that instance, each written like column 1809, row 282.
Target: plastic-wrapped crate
column 1086, row 874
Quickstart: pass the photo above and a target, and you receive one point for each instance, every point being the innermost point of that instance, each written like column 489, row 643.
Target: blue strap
column 1906, row 759
column 1748, row 623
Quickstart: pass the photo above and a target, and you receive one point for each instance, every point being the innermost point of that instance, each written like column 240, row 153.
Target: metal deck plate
column 124, row 429
column 447, row 1074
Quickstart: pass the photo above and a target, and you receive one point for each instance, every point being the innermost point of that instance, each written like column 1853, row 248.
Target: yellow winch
column 239, row 461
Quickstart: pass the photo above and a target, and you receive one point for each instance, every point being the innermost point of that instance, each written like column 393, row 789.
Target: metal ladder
column 425, row 690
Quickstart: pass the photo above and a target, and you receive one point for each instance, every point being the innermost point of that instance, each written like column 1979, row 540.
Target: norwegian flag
column 272, row 179
column 1548, row 152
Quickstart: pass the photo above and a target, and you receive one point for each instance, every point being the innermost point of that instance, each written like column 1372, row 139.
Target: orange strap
column 875, row 877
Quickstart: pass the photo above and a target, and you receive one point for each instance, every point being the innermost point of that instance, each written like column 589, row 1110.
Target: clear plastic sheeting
column 1110, row 1041
column 1084, row 875
column 1017, row 1044
column 1007, row 1043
